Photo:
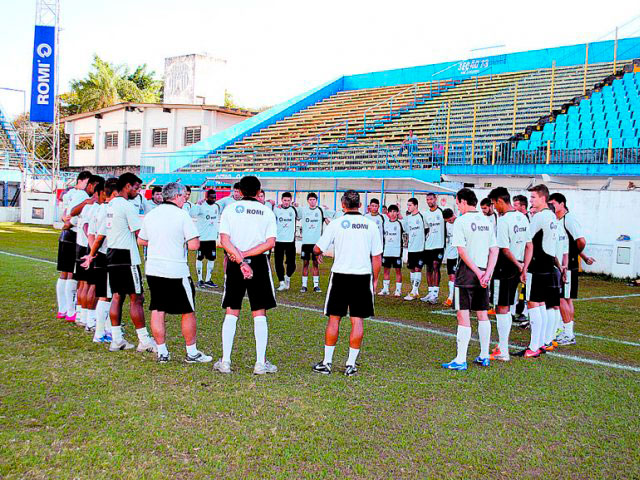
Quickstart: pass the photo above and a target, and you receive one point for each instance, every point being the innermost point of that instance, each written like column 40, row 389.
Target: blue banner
column 42, row 78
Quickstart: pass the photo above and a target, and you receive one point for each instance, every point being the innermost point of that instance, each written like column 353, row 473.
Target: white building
column 115, row 137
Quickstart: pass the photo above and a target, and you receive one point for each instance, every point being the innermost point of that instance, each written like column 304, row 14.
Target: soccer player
column 156, row 199
column 312, row 218
column 247, row 230
column 285, row 248
column 187, row 204
column 487, row 209
column 539, row 268
column 166, row 230
column 433, row 247
column 514, row 240
column 450, row 253
column 392, row 252
column 234, row 196
column 577, row 244
column 374, row 214
column 123, row 264
column 521, row 204
column 66, row 285
column 357, row 254
column 207, row 215
column 476, row 243
column 415, row 227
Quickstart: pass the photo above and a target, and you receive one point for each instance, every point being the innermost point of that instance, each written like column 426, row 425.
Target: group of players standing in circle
column 488, row 256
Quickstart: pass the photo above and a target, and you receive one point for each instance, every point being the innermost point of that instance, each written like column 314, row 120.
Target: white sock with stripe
column 484, row 333
column 228, row 333
column 305, row 281
column 71, row 289
column 385, row 285
column 61, row 295
column 91, row 318
column 551, row 325
column 451, row 287
column 543, row 328
column 316, row 281
column 463, row 337
column 199, row 269
column 504, row 328
column 210, row 265
column 398, row 286
column 535, row 323
column 568, row 329
column 261, row 332
column 102, row 316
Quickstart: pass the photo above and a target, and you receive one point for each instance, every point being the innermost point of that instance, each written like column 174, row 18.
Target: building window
column 133, row 139
column 191, row 135
column 84, row 143
column 111, row 140
column 159, row 137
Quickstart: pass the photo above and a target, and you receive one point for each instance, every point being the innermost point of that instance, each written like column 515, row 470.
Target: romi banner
column 42, row 78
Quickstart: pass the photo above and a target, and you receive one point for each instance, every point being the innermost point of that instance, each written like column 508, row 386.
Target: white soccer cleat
column 266, row 367
column 411, row 296
column 222, row 366
column 121, row 345
column 283, row 287
column 383, row 292
column 148, row 346
column 198, row 358
column 397, row 293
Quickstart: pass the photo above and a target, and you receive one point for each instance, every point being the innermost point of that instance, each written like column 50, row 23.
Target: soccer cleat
column 527, row 353
column 323, row 368
column 397, row 293
column 433, row 300
column 80, row 322
column 483, row 362
column 200, row 284
column 61, row 315
column 350, row 370
column 384, row 291
column 554, row 342
column 317, row 289
column 164, row 358
column 266, row 367
column 566, row 340
column 148, row 346
column 210, row 284
column 453, row 365
column 122, row 345
column 548, row 347
column 303, row 290
column 222, row 366
column 89, row 329
column 411, row 296
column 503, row 357
column 103, row 339
column 198, row 358
column 448, row 302
column 72, row 318
column 283, row 286
column 491, row 311
column 426, row 298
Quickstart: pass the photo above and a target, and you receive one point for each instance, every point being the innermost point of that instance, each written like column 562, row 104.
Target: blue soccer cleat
column 483, row 362
column 455, row 366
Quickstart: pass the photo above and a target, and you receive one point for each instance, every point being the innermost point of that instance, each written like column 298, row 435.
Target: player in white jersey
column 66, row 285
column 357, row 254
column 415, row 227
column 285, row 249
column 450, row 254
column 392, row 251
column 476, row 243
column 156, row 199
column 487, row 209
column 433, row 247
column 520, row 312
column 514, row 240
column 540, row 269
column 207, row 215
column 187, row 204
column 312, row 218
column 234, row 196
column 374, row 215
column 247, row 230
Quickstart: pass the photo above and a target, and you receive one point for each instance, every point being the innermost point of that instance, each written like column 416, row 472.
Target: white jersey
column 544, row 233
column 562, row 244
column 167, row 229
column 513, row 232
column 225, row 202
column 248, row 224
column 96, row 224
column 138, row 203
column 414, row 226
column 311, row 221
column 355, row 239
column 286, row 223
column 493, row 221
column 187, row 207
column 379, row 220
column 473, row 231
column 207, row 220
column 83, row 220
column 434, row 221
column 148, row 205
column 122, row 222
column 392, row 246
column 73, row 198
column 450, row 252
column 574, row 232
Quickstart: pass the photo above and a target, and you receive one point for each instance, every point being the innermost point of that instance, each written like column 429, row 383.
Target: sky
column 278, row 49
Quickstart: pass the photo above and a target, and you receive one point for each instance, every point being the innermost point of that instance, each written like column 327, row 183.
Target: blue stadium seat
column 573, row 144
column 586, row 143
column 616, row 143
column 535, row 144
column 572, row 112
column 536, row 136
column 596, row 96
column 626, row 124
column 574, row 135
column 602, row 142
column 614, row 133
column 629, row 133
column 599, row 125
column 585, row 106
column 630, row 142
column 522, row 145
column 561, row 119
column 586, row 134
column 598, row 115
column 559, row 145
column 548, row 134
column 585, row 117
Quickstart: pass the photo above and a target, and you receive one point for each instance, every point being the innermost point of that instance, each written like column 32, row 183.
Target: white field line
column 433, row 331
column 608, row 297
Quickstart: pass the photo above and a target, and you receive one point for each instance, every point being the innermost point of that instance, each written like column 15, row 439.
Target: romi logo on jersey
column 480, row 228
column 345, row 224
column 517, row 229
column 239, row 209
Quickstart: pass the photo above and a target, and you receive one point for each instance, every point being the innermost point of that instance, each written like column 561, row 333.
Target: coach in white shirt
column 357, row 251
column 169, row 233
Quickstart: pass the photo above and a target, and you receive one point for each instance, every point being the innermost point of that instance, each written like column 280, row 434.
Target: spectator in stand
column 410, row 143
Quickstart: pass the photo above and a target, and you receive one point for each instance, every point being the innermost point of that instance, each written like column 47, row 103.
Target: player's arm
column 528, row 255
column 587, row 259
column 95, row 246
column 75, row 211
column 234, row 254
column 376, row 264
column 194, row 243
column 491, row 265
column 506, row 251
column 259, row 249
column 464, row 256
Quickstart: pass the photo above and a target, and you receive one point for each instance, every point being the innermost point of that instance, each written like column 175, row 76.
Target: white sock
column 305, row 280
column 504, row 327
column 353, row 355
column 398, row 286
column 162, row 349
column 568, row 329
column 484, row 332
column 535, row 322
column 436, row 291
column 192, row 350
column 543, row 329
column 107, row 324
column 551, row 326
column 417, row 280
column 525, row 311
column 199, row 269
column 102, row 316
column 451, row 287
column 116, row 333
column 385, row 285
column 463, row 337
column 558, row 322
column 512, row 310
column 91, row 318
column 228, row 332
column 210, row 265
column 316, row 281
column 143, row 334
column 287, row 280
column 61, row 294
column 84, row 313
column 328, row 354
column 71, row 289
column 261, row 332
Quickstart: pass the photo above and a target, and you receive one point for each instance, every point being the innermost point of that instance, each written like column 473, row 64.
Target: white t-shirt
column 473, row 231
column 149, row 205
column 379, row 220
column 224, row 202
column 98, row 225
column 138, row 203
column 434, row 221
column 544, row 233
column 167, row 228
column 75, row 198
column 356, row 239
column 83, row 219
column 311, row 222
column 392, row 239
column 574, row 231
column 414, row 225
column 122, row 221
column 513, row 233
column 450, row 252
column 493, row 221
column 187, row 207
column 207, row 220
column 248, row 224
column 562, row 244
column 286, row 222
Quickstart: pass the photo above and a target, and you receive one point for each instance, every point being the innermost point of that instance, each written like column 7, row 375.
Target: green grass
column 69, row 409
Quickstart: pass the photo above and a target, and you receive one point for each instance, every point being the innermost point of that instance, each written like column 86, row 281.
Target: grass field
column 70, row 409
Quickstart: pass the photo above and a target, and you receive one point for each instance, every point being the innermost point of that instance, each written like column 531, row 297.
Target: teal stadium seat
column 522, row 145
column 630, row 142
column 602, row 142
column 559, row 145
column 586, row 144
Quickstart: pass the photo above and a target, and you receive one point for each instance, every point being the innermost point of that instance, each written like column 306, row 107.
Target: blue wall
column 595, row 169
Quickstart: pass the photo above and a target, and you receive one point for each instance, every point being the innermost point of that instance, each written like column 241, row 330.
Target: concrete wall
column 38, row 208
column 9, row 214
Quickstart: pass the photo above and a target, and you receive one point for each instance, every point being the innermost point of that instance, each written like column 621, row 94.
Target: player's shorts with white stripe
column 349, row 293
column 207, row 250
column 392, row 262
column 172, row 295
column 259, row 288
column 415, row 260
column 81, row 273
column 124, row 278
column 555, row 290
column 67, row 251
column 540, row 287
column 468, row 293
column 570, row 289
column 98, row 275
column 452, row 265
column 504, row 291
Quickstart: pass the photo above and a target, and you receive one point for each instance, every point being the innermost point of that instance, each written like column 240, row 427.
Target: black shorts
column 207, row 250
column 452, row 264
column 172, row 295
column 67, row 251
column 349, row 293
column 259, row 288
column 570, row 289
column 306, row 252
column 555, row 291
column 504, row 291
column 124, row 280
column 99, row 276
column 539, row 287
column 468, row 293
column 392, row 262
column 415, row 260
column 81, row 274
column 433, row 259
